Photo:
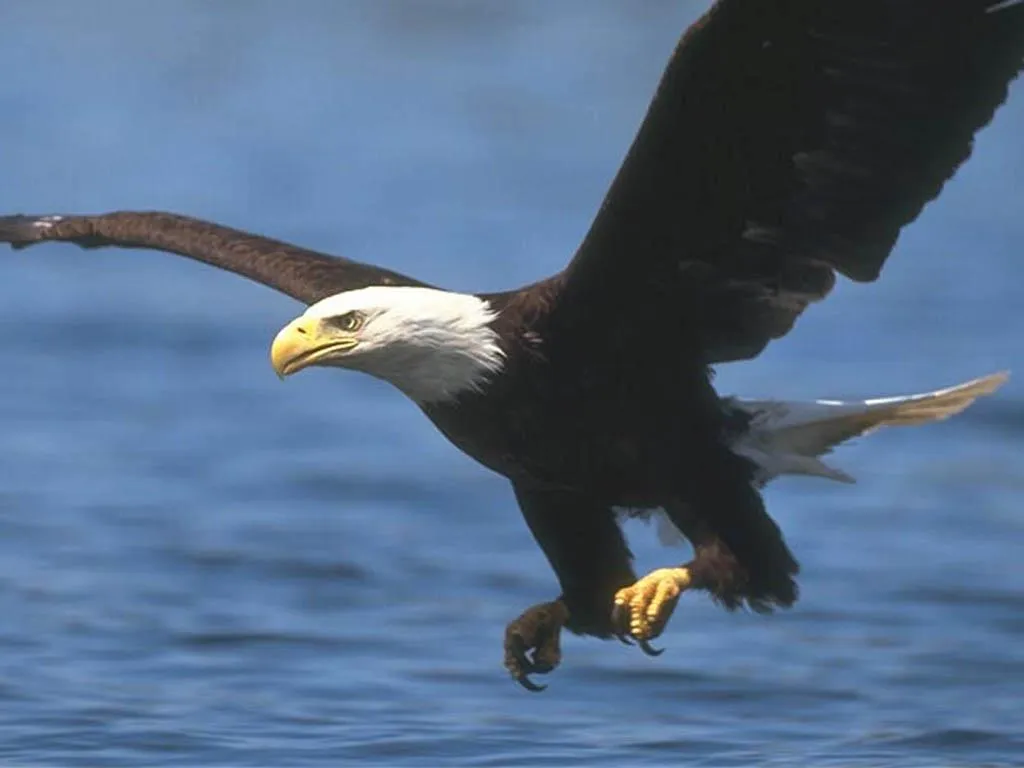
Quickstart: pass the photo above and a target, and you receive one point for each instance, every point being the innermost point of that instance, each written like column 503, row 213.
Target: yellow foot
column 643, row 609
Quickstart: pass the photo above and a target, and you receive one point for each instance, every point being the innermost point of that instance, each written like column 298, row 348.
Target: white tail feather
column 786, row 438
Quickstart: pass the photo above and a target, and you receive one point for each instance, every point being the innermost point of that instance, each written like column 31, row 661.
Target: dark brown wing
column 304, row 275
column 789, row 140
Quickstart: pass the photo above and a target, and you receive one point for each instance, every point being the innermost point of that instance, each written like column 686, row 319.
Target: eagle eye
column 348, row 322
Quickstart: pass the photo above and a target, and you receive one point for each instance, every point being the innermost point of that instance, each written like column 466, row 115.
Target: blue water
column 202, row 566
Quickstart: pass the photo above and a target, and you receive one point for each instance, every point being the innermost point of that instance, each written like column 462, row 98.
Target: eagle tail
column 787, row 438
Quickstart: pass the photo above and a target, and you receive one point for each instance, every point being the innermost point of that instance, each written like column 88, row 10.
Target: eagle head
column 431, row 344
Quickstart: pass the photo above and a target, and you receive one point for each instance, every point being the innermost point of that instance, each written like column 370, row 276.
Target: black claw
column 524, row 667
column 620, row 619
column 620, row 624
column 529, row 685
column 649, row 649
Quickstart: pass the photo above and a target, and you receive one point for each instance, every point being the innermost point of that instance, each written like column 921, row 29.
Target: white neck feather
column 431, row 344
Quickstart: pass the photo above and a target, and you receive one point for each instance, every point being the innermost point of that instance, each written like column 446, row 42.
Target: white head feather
column 431, row 344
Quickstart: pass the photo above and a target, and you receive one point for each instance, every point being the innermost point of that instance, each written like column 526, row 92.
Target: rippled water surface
column 202, row 566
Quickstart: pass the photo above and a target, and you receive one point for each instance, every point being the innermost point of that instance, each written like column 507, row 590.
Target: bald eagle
column 788, row 142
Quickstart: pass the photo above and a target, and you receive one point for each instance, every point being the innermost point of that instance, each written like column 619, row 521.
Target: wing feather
column 790, row 140
column 302, row 274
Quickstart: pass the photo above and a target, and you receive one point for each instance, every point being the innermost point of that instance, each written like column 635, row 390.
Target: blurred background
column 202, row 566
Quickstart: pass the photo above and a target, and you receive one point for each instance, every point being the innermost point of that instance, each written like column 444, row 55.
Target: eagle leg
column 533, row 642
column 642, row 610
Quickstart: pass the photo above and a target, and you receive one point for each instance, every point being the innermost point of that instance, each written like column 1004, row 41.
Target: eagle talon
column 649, row 649
column 620, row 622
column 620, row 617
column 529, row 685
column 643, row 609
column 532, row 643
column 521, row 666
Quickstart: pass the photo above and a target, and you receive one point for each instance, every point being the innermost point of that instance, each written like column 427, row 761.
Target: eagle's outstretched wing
column 790, row 140
column 304, row 275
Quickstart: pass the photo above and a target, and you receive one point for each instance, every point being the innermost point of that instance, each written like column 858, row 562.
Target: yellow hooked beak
column 306, row 341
